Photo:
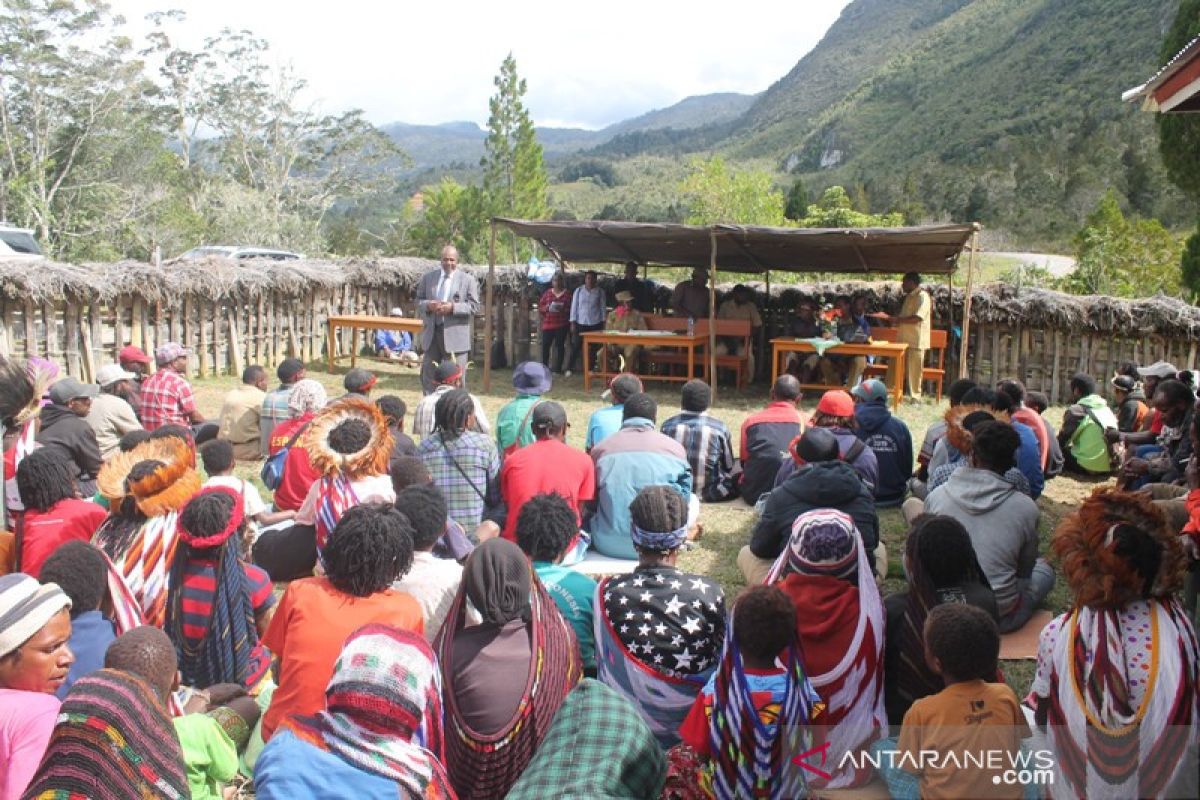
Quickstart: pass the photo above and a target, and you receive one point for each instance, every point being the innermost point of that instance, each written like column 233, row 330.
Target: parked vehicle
column 240, row 252
column 18, row 244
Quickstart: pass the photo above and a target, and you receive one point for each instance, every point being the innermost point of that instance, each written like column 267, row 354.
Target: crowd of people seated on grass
column 412, row 618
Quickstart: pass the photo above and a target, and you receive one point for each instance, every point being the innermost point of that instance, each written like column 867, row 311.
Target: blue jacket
column 1029, row 458
column 633, row 457
column 890, row 440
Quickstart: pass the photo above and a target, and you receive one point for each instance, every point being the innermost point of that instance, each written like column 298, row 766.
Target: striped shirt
column 709, row 451
column 196, row 604
column 466, row 485
column 423, row 415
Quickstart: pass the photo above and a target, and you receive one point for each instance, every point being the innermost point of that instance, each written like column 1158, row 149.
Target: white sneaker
column 567, row 374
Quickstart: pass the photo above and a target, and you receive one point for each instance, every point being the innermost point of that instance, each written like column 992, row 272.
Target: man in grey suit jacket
column 447, row 299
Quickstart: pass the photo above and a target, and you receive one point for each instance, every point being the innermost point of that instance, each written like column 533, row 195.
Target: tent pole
column 487, row 313
column 966, row 323
column 763, row 334
column 949, row 306
column 712, row 312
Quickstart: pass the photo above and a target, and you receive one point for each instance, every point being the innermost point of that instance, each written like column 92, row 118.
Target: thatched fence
column 236, row 313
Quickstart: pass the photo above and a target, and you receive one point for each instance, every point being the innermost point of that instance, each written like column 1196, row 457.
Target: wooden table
column 357, row 323
column 646, row 339
column 893, row 351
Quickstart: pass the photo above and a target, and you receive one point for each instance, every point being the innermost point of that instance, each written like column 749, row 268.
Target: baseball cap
column 111, row 373
column 447, row 371
column 289, row 368
column 548, row 415
column 836, row 403
column 870, row 390
column 134, row 354
column 396, row 311
column 622, row 386
column 1124, row 383
column 170, row 351
column 67, row 389
column 1159, row 369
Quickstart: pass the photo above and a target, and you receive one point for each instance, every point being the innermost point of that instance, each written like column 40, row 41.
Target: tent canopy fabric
column 928, row 249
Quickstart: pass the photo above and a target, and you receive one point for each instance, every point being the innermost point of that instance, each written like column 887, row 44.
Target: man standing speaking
column 447, row 298
column 914, row 322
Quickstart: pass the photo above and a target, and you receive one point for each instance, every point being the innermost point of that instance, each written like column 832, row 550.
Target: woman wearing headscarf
column 380, row 735
column 504, row 678
column 839, row 621
column 146, row 489
column 659, row 631
column 1115, row 690
column 941, row 566
column 218, row 606
column 113, row 741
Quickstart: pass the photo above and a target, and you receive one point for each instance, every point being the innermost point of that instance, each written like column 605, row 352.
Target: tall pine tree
column 514, row 173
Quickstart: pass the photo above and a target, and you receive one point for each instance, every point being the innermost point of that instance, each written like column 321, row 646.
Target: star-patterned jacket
column 671, row 621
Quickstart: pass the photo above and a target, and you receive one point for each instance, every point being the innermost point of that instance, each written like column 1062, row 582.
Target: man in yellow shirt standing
column 914, row 323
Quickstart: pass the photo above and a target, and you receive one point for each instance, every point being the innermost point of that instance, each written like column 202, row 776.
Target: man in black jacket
column 64, row 428
column 824, row 481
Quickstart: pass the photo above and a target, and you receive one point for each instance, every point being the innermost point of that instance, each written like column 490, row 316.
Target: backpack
column 272, row 468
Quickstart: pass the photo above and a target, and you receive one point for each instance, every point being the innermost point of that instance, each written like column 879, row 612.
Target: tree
column 69, row 91
column 834, row 210
column 453, row 214
column 1190, row 265
column 514, row 173
column 1123, row 257
column 797, row 200
column 714, row 193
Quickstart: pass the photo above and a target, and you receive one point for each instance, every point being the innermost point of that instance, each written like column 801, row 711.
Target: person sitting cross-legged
column 826, row 572
column 634, row 457
column 548, row 465
column 530, row 380
column 218, row 459
column 707, row 442
column 241, row 410
column 81, row 571
column 53, row 514
column 887, row 437
column 1082, row 435
column 941, row 566
column 394, row 410
column 659, row 631
column 448, row 376
column 836, row 413
column 743, row 728
column 464, row 464
column 1117, row 675
column 370, row 548
column 218, row 606
column 604, row 422
column 1002, row 522
column 433, row 582
column 35, row 659
column 453, row 543
column 545, row 529
column 822, row 480
column 377, row 735
column 765, row 438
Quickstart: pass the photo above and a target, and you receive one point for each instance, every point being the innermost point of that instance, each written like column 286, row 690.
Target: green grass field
column 726, row 526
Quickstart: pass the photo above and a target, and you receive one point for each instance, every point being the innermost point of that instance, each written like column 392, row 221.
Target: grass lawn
column 726, row 526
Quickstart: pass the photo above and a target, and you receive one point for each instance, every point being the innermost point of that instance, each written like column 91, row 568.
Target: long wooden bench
column 937, row 352
column 725, row 328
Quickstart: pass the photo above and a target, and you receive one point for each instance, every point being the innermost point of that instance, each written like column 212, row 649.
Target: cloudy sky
column 587, row 65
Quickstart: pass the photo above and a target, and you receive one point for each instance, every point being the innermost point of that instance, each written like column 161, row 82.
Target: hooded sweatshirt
column 70, row 434
column 829, row 484
column 865, row 463
column 889, row 439
column 1001, row 521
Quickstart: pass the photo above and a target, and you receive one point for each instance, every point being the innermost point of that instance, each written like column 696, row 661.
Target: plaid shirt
column 709, row 452
column 166, row 400
column 467, row 495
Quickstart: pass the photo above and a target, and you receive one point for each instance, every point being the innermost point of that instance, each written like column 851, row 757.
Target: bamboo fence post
column 489, row 312
column 30, row 330
column 9, row 341
column 712, row 311
column 1056, row 378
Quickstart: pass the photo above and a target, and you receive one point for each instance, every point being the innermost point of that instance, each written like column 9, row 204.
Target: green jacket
column 511, row 417
column 1091, row 417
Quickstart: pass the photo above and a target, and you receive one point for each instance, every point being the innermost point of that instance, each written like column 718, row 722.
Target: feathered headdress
column 371, row 459
column 166, row 489
column 1097, row 576
column 959, row 436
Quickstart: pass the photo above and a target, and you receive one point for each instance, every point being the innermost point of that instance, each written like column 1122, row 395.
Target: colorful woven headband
column 236, row 516
column 658, row 540
column 823, row 542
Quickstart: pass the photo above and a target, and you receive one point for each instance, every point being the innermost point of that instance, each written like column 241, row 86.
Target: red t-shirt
column 298, row 472
column 64, row 521
column 306, row 635
column 545, row 466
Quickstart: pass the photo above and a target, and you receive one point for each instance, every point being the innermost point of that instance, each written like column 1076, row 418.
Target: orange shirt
column 312, row 622
column 970, row 719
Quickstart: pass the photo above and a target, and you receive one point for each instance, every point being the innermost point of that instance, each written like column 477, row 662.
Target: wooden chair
column 881, row 335
column 736, row 329
column 938, row 340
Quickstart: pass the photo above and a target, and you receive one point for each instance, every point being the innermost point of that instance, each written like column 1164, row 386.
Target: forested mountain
column 462, row 142
column 1004, row 111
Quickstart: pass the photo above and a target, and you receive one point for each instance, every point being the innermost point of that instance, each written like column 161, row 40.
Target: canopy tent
column 1174, row 89
column 929, row 249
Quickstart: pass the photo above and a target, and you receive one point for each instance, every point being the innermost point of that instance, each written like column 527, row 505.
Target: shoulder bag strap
column 461, row 471
column 524, row 422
